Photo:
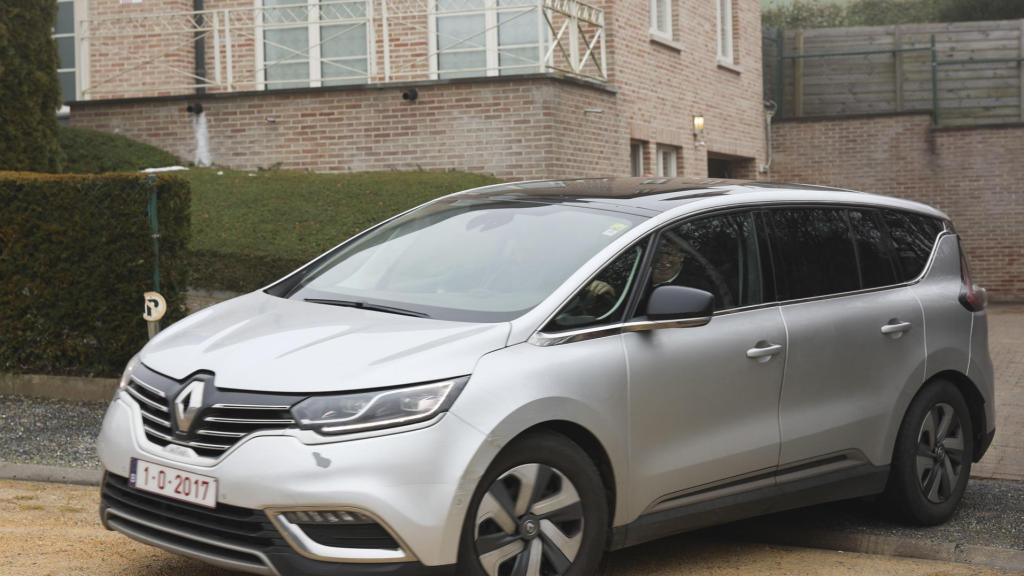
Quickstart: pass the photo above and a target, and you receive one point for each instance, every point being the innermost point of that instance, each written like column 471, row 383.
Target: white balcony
column 283, row 44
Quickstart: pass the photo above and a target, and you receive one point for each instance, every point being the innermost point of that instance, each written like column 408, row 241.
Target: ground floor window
column 636, row 158
column 486, row 37
column 321, row 43
column 666, row 160
column 64, row 36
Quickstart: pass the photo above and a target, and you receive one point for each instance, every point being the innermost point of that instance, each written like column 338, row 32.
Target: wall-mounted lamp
column 698, row 130
column 410, row 95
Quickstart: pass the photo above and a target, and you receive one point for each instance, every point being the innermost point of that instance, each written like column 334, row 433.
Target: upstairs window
column 725, row 32
column 486, row 37
column 661, row 19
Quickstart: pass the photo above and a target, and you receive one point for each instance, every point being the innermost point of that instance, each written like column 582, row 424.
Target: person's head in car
column 668, row 263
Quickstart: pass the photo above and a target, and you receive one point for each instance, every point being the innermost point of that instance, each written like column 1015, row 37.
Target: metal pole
column 154, row 229
column 935, row 83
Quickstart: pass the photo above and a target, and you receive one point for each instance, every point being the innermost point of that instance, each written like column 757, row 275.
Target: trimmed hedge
column 75, row 257
column 94, row 152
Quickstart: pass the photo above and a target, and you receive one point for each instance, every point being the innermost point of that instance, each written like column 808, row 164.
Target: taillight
column 972, row 297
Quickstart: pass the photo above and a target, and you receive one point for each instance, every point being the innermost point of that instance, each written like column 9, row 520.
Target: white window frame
column 725, row 37
column 637, row 151
column 492, row 47
column 314, row 58
column 663, row 30
column 666, row 160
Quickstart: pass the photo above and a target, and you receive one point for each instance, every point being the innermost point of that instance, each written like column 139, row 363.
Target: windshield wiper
column 367, row 306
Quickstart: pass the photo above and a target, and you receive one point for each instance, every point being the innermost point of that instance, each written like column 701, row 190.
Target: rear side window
column 717, row 254
column 913, row 237
column 813, row 252
column 874, row 252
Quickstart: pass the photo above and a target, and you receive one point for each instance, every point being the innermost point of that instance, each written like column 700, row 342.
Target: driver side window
column 604, row 299
column 717, row 254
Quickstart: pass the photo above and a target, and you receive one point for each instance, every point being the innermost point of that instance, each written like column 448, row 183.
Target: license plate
column 173, row 483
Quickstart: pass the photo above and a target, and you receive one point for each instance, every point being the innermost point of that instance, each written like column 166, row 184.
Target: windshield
column 467, row 259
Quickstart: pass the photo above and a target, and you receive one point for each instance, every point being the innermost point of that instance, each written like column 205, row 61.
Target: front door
column 704, row 400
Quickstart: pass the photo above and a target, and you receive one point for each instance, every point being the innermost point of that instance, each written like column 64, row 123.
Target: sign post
column 155, row 307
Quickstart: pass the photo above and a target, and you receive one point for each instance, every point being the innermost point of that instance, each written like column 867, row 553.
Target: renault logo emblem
column 188, row 403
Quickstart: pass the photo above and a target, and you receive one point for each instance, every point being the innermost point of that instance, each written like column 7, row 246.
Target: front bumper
column 414, row 483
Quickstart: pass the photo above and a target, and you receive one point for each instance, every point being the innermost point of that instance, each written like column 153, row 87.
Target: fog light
column 327, row 517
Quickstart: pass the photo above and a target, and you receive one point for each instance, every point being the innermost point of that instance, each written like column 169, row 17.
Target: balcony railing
column 285, row 44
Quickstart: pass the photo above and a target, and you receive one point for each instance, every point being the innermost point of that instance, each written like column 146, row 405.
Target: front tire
column 932, row 457
column 539, row 510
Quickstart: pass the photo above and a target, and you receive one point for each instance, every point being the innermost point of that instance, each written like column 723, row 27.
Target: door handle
column 763, row 351
column 895, row 328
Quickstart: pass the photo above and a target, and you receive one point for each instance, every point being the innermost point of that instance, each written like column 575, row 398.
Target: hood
column 263, row 343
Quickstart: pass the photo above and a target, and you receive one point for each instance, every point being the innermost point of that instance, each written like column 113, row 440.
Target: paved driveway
column 1005, row 459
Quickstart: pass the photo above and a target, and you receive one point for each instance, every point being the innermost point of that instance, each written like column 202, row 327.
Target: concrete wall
column 976, row 175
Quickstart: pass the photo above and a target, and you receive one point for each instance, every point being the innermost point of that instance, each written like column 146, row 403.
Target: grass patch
column 92, row 151
column 250, row 228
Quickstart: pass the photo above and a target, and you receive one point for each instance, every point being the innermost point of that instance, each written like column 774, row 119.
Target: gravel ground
column 53, row 530
column 54, row 432
column 990, row 514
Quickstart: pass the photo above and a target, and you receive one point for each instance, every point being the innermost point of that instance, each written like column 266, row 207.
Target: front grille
column 232, row 525
column 226, row 418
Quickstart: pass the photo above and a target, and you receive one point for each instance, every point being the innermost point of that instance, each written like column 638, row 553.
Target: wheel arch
column 590, row 445
column 975, row 404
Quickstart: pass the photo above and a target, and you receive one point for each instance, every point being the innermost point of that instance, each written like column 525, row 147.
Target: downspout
column 200, row 45
column 769, row 112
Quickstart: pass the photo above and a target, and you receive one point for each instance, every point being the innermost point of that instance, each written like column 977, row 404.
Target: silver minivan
column 514, row 379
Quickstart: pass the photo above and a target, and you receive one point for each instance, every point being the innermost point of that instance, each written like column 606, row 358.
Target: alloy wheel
column 940, row 453
column 529, row 523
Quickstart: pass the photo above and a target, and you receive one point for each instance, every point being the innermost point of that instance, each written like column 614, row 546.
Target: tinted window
column 605, row 298
column 813, row 252
column 873, row 250
column 913, row 237
column 718, row 254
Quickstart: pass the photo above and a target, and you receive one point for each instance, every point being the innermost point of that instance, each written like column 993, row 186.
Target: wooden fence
column 965, row 73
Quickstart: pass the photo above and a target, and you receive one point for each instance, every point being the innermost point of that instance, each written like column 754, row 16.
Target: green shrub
column 94, row 152
column 29, row 91
column 76, row 255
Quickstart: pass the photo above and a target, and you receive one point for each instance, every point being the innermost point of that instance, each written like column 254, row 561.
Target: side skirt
column 794, row 487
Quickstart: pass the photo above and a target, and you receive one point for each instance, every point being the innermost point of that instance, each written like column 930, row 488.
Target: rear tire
column 931, row 461
column 539, row 510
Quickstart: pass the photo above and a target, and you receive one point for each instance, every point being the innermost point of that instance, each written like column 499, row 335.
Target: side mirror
column 679, row 303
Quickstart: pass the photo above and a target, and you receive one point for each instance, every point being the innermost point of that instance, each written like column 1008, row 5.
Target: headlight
column 127, row 374
column 362, row 411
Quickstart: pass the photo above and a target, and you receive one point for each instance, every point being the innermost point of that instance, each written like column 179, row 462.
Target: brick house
column 516, row 88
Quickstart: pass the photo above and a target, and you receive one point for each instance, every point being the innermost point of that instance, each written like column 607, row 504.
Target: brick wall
column 513, row 128
column 662, row 86
column 524, row 128
column 976, row 175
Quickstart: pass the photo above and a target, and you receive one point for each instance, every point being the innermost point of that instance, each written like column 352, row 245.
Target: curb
column 59, row 474
column 75, row 388
column 1001, row 558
